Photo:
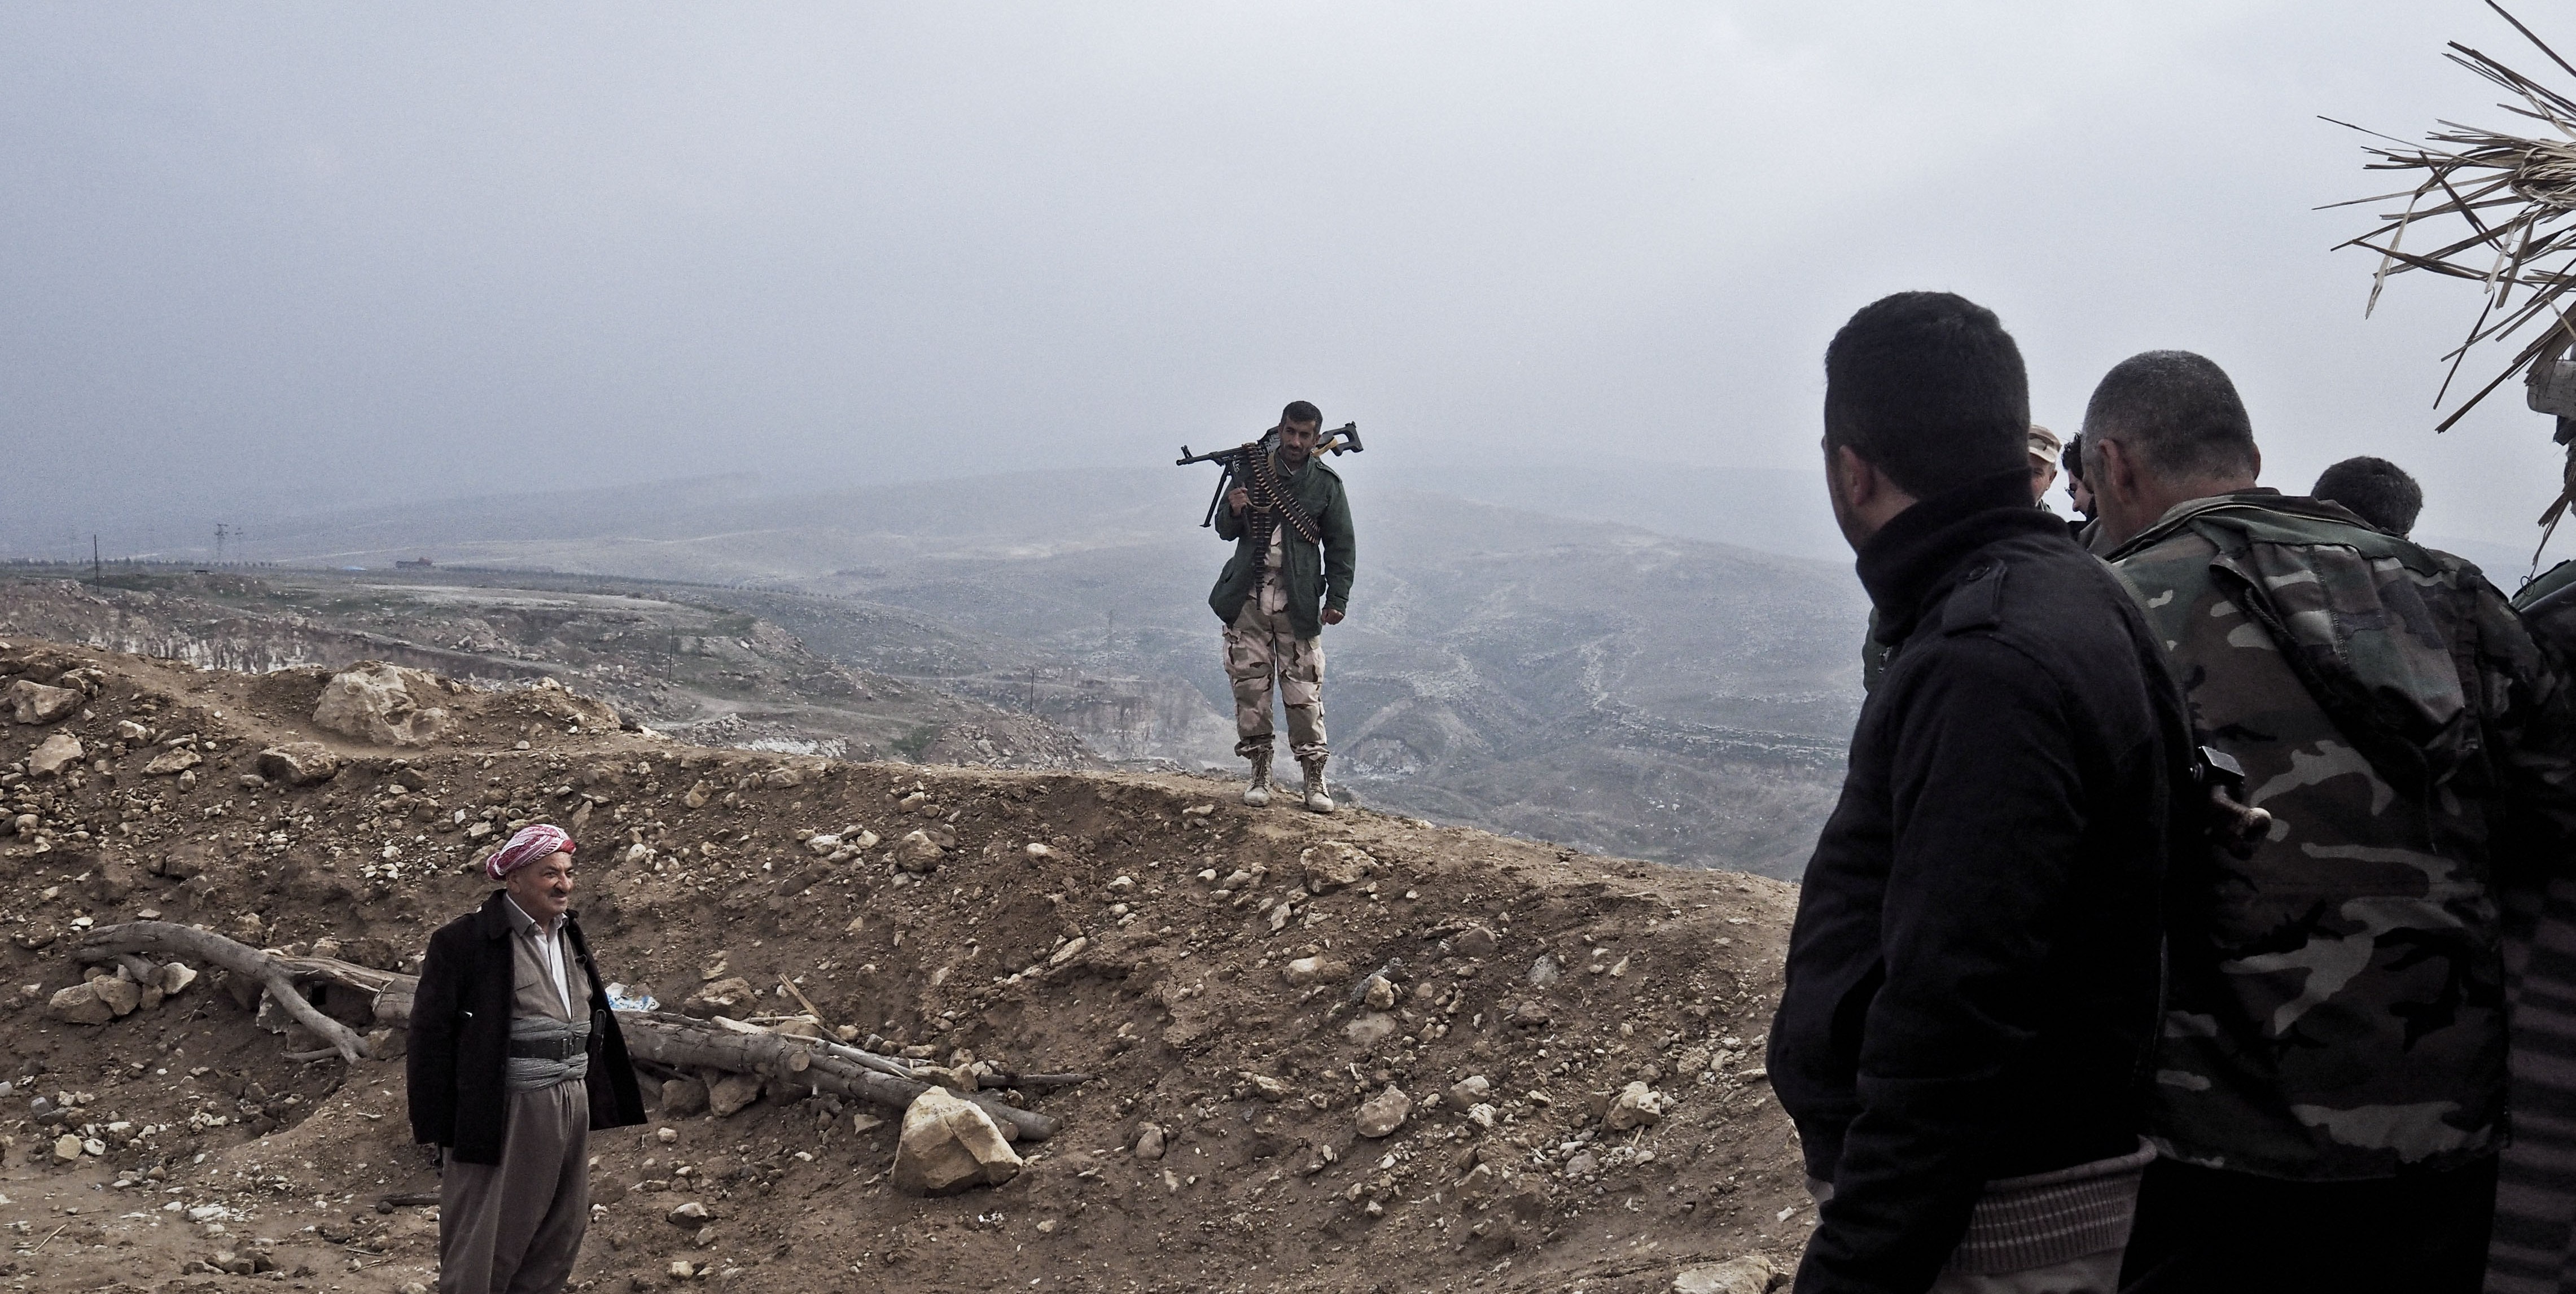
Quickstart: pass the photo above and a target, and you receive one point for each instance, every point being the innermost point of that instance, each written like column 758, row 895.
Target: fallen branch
column 205, row 946
column 909, row 1069
column 678, row 1040
column 656, row 1037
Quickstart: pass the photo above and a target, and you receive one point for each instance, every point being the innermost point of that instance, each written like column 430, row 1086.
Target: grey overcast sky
column 339, row 253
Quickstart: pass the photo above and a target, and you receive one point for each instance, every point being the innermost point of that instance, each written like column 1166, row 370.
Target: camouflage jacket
column 2336, row 1001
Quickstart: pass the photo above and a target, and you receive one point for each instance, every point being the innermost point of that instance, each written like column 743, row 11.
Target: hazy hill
column 1597, row 684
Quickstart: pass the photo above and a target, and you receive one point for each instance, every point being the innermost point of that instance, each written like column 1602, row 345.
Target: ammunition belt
column 1270, row 497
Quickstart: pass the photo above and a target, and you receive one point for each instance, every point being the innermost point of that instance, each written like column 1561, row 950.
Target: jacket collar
column 1911, row 556
column 493, row 918
column 2259, row 499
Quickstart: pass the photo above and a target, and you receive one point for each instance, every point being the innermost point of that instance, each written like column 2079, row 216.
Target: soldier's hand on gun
column 1237, row 499
column 1332, row 615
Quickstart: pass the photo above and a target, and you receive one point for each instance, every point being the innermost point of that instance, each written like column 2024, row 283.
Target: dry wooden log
column 659, row 1037
column 678, row 1040
column 388, row 992
column 900, row 1068
column 186, row 943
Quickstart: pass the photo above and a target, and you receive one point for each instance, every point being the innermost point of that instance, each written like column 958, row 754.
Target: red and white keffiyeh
column 532, row 843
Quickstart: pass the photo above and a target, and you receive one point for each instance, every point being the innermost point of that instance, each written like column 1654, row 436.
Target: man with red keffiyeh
column 514, row 1057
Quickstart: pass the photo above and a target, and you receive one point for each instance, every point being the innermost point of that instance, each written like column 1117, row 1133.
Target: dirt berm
column 1128, row 927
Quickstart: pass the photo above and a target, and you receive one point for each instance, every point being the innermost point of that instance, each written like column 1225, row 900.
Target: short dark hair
column 2072, row 457
column 2376, row 490
column 2177, row 412
column 1930, row 389
column 1301, row 412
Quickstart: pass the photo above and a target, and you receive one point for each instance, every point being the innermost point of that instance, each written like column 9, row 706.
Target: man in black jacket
column 514, row 1057
column 1972, row 978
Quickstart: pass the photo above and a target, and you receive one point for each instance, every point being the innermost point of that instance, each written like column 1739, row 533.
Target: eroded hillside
column 712, row 674
column 1205, row 963
column 1601, row 685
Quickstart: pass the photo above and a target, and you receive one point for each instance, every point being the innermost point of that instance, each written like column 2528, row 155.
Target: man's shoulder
column 464, row 928
column 2029, row 582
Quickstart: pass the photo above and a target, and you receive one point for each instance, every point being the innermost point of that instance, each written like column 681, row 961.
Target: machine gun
column 1344, row 439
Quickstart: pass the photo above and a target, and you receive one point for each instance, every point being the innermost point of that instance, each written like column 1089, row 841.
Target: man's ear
column 2118, row 475
column 1857, row 476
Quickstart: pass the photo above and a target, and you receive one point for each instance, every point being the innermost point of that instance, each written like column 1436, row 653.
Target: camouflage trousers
column 1259, row 646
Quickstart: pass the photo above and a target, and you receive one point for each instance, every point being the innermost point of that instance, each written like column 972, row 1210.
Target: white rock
column 80, row 1004
column 1636, row 1106
column 385, row 704
column 53, row 754
column 949, row 1144
column 175, row 760
column 917, row 852
column 32, row 702
column 1332, row 864
column 1382, row 1114
column 1369, row 1028
column 1378, row 994
column 1750, row 1274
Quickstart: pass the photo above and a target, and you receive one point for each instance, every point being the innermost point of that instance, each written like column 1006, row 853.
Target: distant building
column 415, row 564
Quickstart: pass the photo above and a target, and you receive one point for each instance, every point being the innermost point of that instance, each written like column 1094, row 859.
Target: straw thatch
column 2507, row 205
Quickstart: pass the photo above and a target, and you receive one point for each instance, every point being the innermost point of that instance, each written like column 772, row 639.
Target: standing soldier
column 1289, row 577
column 2329, row 1090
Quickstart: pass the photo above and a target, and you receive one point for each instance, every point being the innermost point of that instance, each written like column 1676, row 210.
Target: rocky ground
column 1573, row 1043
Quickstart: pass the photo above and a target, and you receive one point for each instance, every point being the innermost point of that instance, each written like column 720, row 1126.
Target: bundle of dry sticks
column 2506, row 204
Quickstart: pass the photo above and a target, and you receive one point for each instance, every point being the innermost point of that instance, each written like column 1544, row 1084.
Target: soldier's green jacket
column 2336, row 1002
column 1313, row 576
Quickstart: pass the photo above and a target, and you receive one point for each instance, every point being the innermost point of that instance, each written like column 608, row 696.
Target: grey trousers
column 516, row 1226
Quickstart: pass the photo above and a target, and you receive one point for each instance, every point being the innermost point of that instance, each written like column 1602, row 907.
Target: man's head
column 536, row 868
column 1300, row 425
column 2078, row 494
column 1924, row 393
column 2044, row 450
column 2376, row 490
column 2164, row 428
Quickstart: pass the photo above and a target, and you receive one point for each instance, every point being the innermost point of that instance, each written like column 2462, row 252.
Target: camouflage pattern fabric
column 1262, row 644
column 2336, row 1009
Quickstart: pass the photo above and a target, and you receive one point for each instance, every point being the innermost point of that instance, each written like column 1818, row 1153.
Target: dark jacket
column 1972, row 979
column 1313, row 576
column 460, row 1039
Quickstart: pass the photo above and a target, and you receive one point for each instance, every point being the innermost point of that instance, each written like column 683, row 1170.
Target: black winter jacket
column 458, row 1060
column 1973, row 977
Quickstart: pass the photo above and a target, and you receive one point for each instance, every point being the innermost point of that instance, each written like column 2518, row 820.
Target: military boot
column 1319, row 797
column 1258, row 793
